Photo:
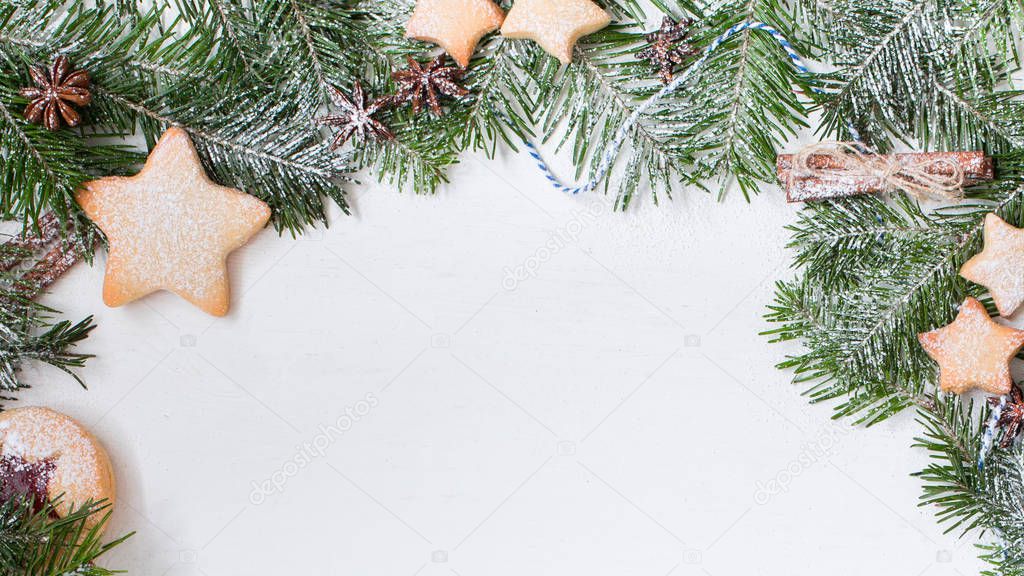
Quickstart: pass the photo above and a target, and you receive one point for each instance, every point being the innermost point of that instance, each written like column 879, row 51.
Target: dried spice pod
column 421, row 82
column 54, row 93
column 668, row 48
column 356, row 116
column 1011, row 418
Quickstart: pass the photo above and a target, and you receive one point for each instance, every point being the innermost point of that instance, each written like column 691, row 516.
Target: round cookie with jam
column 49, row 456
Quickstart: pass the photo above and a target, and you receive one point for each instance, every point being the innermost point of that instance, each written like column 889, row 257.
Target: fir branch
column 42, row 170
column 497, row 110
column 988, row 28
column 28, row 333
column 752, row 80
column 866, row 39
column 988, row 500
column 313, row 48
column 952, row 481
column 375, row 31
column 418, row 157
column 725, row 123
column 39, row 543
column 144, row 76
column 252, row 142
column 500, row 107
column 966, row 117
column 586, row 102
column 231, row 23
column 889, row 273
column 920, row 69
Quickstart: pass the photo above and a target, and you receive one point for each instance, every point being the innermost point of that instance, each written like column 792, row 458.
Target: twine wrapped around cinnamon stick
column 840, row 169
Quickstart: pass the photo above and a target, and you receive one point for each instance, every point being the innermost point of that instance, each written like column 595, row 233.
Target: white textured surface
column 613, row 412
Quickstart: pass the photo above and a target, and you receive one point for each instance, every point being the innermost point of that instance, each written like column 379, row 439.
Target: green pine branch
column 873, row 276
column 30, row 332
column 43, row 169
column 252, row 142
column 872, row 273
column 313, row 49
column 752, row 94
column 497, row 111
column 251, row 136
column 987, row 501
column 239, row 52
column 38, row 543
column 953, row 484
column 918, row 70
column 585, row 103
column 726, row 123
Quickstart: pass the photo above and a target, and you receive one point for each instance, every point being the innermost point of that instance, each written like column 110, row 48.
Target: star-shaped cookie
column 1000, row 266
column 555, row 24
column 170, row 228
column 455, row 25
column 973, row 351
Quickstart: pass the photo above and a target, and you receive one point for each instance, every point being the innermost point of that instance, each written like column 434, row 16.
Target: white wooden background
column 497, row 380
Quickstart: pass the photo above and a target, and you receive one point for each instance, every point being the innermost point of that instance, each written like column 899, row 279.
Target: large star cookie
column 555, row 24
column 170, row 228
column 455, row 25
column 1000, row 266
column 973, row 351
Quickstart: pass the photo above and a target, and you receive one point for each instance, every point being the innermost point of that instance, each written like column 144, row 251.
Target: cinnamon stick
column 24, row 244
column 53, row 265
column 976, row 166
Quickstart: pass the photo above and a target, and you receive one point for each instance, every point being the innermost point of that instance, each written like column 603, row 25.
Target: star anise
column 356, row 117
column 54, row 92
column 1012, row 416
column 665, row 52
column 424, row 81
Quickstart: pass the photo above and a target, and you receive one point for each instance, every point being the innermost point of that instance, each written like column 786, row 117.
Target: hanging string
column 623, row 132
column 990, row 431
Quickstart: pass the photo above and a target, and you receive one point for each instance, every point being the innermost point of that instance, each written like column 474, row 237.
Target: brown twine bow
column 929, row 177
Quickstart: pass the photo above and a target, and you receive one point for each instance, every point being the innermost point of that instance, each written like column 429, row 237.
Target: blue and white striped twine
column 990, row 431
column 623, row 132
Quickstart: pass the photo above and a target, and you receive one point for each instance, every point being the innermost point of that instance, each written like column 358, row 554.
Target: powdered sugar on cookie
column 80, row 471
column 554, row 24
column 1000, row 266
column 171, row 228
column 973, row 351
column 455, row 25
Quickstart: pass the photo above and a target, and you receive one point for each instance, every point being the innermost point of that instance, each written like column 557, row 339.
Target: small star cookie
column 455, row 25
column 1000, row 266
column 555, row 24
column 973, row 351
column 170, row 228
